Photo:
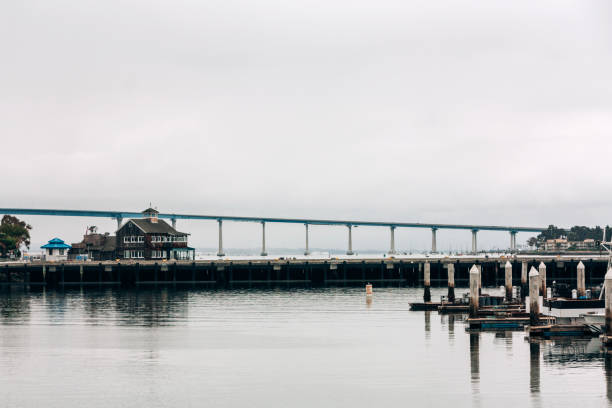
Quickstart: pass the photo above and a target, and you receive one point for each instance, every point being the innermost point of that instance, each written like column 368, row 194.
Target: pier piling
column 608, row 303
column 508, row 270
column 474, row 276
column 524, row 286
column 479, row 268
column 427, row 282
column 451, row 282
column 542, row 273
column 580, row 284
column 534, row 305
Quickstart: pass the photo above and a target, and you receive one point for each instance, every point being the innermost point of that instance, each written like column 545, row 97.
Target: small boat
column 594, row 318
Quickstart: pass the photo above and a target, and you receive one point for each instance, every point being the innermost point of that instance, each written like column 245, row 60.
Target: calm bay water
column 276, row 348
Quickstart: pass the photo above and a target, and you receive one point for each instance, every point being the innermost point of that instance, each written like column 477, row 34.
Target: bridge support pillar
column 173, row 223
column 220, row 251
column 512, row 240
column 392, row 248
column 119, row 221
column 307, row 250
column 474, row 240
column 263, row 239
column 434, row 244
column 349, row 251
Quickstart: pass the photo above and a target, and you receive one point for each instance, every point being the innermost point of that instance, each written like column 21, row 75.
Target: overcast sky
column 492, row 112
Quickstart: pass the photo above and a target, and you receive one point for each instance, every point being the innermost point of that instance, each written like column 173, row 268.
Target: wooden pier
column 350, row 271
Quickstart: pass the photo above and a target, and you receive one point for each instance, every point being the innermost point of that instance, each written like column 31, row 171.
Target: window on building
column 140, row 238
column 61, row 251
column 126, row 254
column 126, row 239
column 50, row 251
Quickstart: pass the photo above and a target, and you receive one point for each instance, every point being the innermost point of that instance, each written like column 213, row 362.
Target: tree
column 532, row 242
column 13, row 234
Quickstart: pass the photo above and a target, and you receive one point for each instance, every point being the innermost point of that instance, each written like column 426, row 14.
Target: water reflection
column 14, row 306
column 608, row 374
column 534, row 367
column 475, row 356
column 263, row 347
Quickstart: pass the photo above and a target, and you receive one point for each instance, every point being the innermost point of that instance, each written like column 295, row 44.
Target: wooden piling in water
column 524, row 286
column 580, row 283
column 542, row 273
column 474, row 276
column 508, row 281
column 534, row 306
column 479, row 268
column 608, row 303
column 427, row 282
column 451, row 282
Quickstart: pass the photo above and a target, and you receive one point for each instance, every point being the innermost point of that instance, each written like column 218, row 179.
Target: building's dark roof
column 97, row 242
column 150, row 211
column 159, row 227
column 110, row 244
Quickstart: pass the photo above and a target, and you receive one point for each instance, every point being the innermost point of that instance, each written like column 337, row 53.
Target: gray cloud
column 466, row 112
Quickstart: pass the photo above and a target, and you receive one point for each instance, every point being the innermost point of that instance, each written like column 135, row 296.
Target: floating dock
column 502, row 322
column 561, row 330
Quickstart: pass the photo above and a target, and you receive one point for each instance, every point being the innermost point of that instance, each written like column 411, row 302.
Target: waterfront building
column 588, row 243
column 55, row 250
column 95, row 247
column 558, row 244
column 153, row 239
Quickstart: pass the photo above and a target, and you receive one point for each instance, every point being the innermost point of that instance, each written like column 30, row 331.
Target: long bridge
column 120, row 215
